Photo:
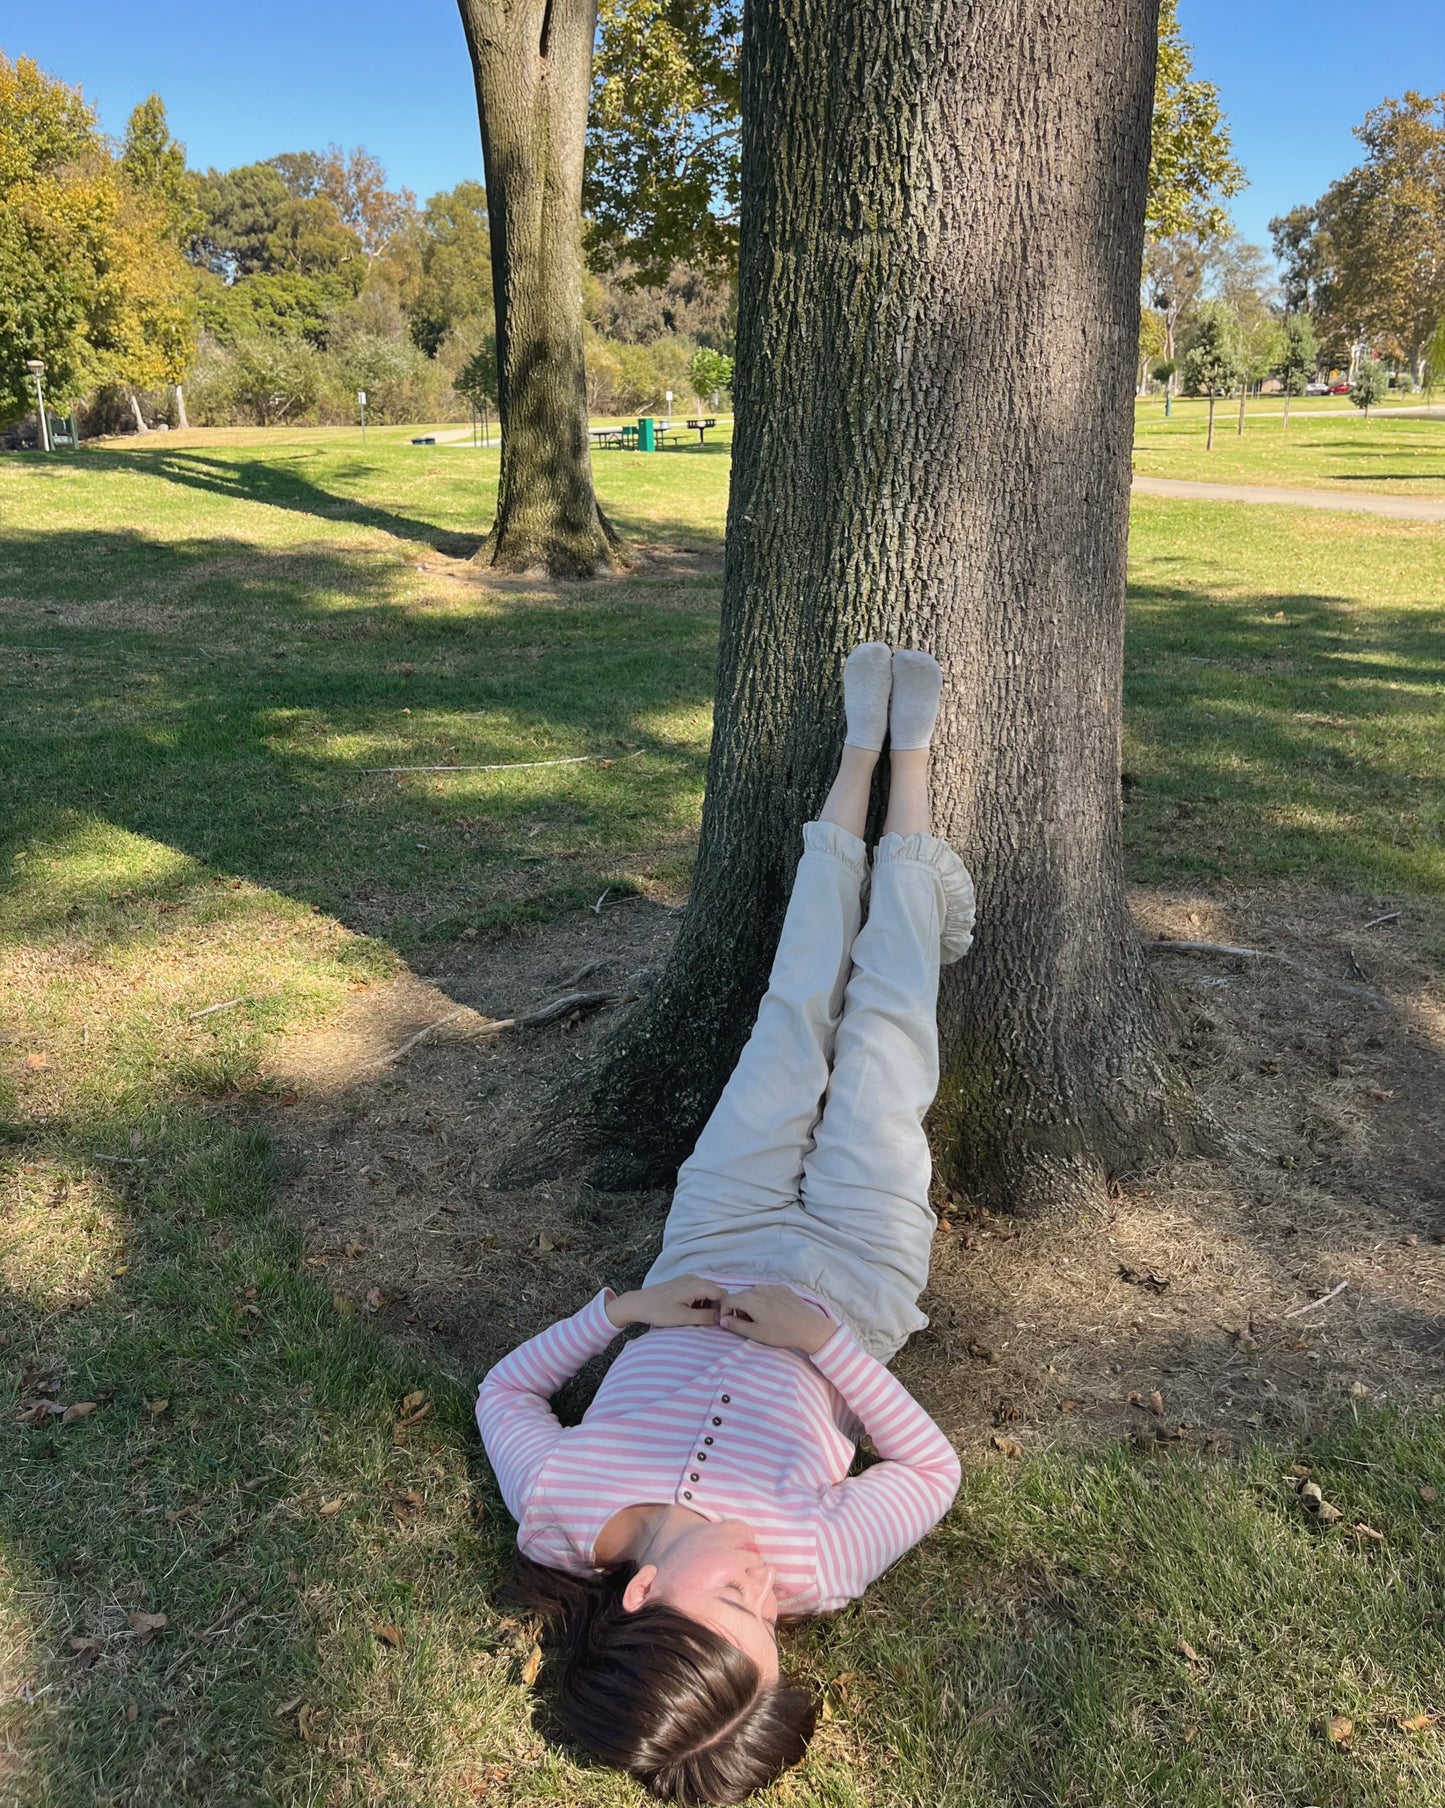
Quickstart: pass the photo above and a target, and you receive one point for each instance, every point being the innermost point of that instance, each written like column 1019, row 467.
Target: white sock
column 867, row 678
column 917, row 686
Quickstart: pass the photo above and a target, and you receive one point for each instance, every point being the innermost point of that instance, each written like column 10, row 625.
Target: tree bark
column 136, row 415
column 938, row 307
column 532, row 60
column 182, row 419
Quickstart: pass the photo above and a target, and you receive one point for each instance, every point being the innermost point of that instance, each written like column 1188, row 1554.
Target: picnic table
column 700, row 427
column 623, row 438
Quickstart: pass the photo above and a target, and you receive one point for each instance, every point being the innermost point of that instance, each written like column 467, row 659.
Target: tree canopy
column 91, row 279
column 1368, row 258
column 1192, row 168
column 664, row 148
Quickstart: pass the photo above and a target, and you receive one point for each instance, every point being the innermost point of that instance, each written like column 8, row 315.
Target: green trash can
column 646, row 440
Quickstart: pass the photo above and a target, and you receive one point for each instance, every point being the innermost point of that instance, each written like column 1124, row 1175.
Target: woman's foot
column 867, row 682
column 917, row 687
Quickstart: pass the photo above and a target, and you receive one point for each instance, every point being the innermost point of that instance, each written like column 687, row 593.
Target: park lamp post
column 36, row 367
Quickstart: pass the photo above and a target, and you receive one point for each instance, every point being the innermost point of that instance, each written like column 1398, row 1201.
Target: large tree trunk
column 938, row 308
column 182, row 418
column 533, row 65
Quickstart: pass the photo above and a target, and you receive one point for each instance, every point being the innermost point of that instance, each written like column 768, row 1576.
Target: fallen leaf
column 532, row 1666
column 412, row 1401
column 353, row 1250
column 331, row 1506
column 1361, row 1530
column 408, row 1506
column 544, row 1243
column 132, row 1714
column 286, row 1707
column 1006, row 1446
column 37, row 1061
column 1417, row 1723
column 154, row 1408
column 415, row 1417
column 390, row 1636
column 1156, row 1403
column 1067, row 1405
column 309, row 1723
column 343, row 1304
column 86, row 1652
column 144, row 1624
column 1188, row 1651
column 980, row 1352
column 1191, row 1733
column 1143, row 1277
column 1338, row 1729
column 1312, row 1495
column 1429, row 1495
column 1005, row 1412
column 82, row 1409
column 375, row 1299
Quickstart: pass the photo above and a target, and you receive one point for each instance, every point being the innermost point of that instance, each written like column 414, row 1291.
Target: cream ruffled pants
column 813, row 1168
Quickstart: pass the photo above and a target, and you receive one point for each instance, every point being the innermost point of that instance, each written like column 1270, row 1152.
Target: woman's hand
column 689, row 1300
column 776, row 1316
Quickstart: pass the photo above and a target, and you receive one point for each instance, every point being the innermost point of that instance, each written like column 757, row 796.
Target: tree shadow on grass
column 224, row 700
column 276, row 485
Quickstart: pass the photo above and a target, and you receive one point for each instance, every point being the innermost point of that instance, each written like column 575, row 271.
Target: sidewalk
column 1403, row 508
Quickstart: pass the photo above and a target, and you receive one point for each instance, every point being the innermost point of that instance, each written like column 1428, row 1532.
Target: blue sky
column 244, row 81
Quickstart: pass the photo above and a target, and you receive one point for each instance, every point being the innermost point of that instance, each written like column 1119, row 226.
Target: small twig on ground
column 597, row 907
column 211, row 1009
column 1377, row 999
column 585, row 971
column 1310, row 1305
column 411, row 1042
column 1389, row 917
column 565, row 1006
column 1360, row 972
column 578, row 759
column 551, row 1013
column 121, row 1161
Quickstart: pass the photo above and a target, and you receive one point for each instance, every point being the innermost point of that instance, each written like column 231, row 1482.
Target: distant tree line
column 1367, row 260
column 275, row 291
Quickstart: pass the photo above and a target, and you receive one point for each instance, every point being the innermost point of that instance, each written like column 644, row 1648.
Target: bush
column 401, row 382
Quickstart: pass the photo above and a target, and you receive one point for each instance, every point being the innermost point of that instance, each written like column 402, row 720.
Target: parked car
column 1341, row 388
column 1317, row 389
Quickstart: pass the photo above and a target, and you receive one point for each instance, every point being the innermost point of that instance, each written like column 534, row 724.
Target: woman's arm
column 518, row 1427
column 869, row 1521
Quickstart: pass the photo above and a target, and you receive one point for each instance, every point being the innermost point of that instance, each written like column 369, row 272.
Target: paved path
column 1407, row 508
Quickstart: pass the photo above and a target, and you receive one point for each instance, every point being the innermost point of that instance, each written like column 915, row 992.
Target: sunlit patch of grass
column 1281, row 691
column 1395, row 456
column 62, row 1244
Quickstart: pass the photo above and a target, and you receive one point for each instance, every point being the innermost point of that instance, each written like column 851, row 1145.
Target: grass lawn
column 203, row 645
column 1385, row 455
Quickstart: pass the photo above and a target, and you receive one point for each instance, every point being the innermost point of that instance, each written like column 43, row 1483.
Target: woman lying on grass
column 706, row 1495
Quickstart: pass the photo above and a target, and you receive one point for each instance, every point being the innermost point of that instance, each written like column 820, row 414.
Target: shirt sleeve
column 869, row 1521
column 518, row 1426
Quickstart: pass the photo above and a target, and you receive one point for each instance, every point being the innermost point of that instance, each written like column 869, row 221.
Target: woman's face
column 714, row 1573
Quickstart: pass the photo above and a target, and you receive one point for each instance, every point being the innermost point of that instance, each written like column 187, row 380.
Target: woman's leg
column 748, row 1161
column 867, row 1176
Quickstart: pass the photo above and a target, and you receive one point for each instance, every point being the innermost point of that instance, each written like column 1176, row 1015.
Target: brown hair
column 660, row 1696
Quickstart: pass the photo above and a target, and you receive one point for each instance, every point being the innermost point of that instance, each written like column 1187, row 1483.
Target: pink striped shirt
column 732, row 1430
